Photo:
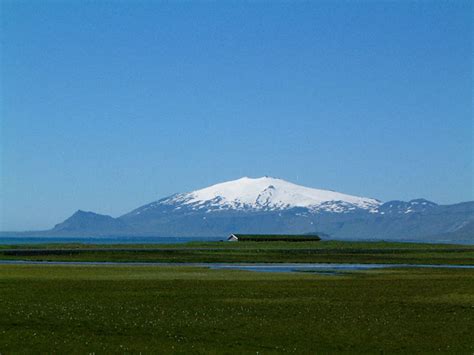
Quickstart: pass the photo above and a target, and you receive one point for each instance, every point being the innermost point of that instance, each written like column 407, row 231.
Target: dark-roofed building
column 272, row 238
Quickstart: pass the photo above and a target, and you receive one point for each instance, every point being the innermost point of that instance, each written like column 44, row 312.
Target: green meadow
column 186, row 310
column 303, row 252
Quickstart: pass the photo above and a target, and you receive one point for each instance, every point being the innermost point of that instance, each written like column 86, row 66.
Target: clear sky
column 107, row 105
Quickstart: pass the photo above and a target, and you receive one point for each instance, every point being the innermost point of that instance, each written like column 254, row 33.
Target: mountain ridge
column 265, row 193
column 270, row 205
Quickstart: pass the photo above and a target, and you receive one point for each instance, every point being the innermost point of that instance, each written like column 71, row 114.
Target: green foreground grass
column 72, row 309
column 303, row 252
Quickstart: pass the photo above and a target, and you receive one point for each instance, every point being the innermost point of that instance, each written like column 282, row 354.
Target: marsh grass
column 71, row 309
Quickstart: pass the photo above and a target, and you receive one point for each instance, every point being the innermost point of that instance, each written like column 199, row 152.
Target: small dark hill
column 90, row 222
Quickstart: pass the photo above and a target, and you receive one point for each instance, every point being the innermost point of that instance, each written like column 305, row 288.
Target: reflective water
column 15, row 240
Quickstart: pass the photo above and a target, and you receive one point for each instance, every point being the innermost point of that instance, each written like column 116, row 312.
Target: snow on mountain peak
column 270, row 193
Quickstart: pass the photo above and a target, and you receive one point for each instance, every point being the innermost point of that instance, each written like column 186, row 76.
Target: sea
column 17, row 240
column 5, row 239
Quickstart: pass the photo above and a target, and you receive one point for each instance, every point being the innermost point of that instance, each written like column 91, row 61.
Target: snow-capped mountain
column 265, row 193
column 401, row 207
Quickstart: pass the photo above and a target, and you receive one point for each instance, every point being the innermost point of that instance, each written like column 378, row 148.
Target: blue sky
column 109, row 105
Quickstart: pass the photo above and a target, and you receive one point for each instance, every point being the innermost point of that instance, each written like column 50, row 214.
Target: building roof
column 282, row 237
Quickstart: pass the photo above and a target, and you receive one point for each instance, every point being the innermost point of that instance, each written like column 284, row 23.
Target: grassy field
column 305, row 252
column 72, row 309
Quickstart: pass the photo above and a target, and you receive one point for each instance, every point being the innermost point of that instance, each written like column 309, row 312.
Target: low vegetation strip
column 324, row 244
column 274, row 238
column 71, row 309
column 328, row 252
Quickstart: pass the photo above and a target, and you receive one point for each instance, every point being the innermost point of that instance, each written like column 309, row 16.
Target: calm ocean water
column 15, row 240
column 105, row 240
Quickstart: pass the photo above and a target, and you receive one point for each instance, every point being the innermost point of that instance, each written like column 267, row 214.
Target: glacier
column 268, row 193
